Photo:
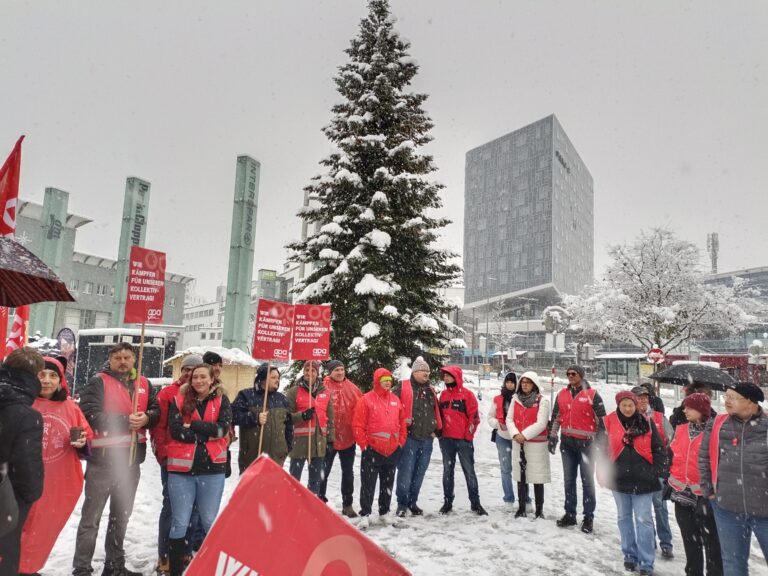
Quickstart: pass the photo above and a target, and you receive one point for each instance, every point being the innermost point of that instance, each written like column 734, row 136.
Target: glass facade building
column 528, row 217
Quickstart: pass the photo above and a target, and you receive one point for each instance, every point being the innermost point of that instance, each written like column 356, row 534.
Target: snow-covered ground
column 458, row 544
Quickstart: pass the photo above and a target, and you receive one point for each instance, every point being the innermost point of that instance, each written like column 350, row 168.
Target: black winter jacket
column 92, row 405
column 200, row 431
column 631, row 473
column 21, row 433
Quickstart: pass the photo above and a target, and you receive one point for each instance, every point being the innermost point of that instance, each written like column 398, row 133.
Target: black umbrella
column 25, row 279
column 684, row 374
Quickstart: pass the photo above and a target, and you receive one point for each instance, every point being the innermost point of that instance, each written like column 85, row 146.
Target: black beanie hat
column 749, row 391
column 576, row 368
column 212, row 358
column 332, row 365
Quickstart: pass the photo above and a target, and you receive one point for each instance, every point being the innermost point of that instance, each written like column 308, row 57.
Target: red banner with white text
column 311, row 332
column 290, row 531
column 272, row 334
column 145, row 297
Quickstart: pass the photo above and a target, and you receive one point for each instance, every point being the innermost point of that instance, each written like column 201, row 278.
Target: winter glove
column 308, row 414
column 552, row 444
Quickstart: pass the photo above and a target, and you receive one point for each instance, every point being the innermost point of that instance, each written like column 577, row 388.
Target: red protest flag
column 272, row 332
column 18, row 336
column 311, row 332
column 9, row 197
column 145, row 296
column 290, row 531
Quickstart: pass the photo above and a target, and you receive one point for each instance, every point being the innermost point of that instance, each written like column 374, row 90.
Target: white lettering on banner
column 228, row 566
column 319, row 351
column 281, row 353
column 346, row 549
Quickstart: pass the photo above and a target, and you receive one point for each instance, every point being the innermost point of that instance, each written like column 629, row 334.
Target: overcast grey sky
column 665, row 102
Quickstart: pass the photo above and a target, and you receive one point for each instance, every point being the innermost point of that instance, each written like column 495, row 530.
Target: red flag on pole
column 9, row 197
column 282, row 515
column 18, row 336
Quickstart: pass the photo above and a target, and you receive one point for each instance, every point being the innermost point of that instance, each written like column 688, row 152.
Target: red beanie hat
column 700, row 402
column 625, row 395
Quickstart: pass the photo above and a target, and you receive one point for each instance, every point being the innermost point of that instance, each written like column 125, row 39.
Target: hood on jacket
column 542, row 384
column 457, row 374
column 377, row 376
column 18, row 387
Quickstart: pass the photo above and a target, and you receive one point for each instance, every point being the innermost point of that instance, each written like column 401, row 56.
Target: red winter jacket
column 345, row 395
column 458, row 407
column 159, row 434
column 379, row 420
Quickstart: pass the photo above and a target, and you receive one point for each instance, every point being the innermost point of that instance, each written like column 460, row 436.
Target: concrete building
column 91, row 279
column 528, row 220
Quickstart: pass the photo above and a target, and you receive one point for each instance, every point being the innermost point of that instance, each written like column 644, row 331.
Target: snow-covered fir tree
column 653, row 294
column 374, row 259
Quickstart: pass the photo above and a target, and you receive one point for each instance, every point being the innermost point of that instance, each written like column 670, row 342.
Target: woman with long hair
column 199, row 419
column 66, row 434
column 500, row 435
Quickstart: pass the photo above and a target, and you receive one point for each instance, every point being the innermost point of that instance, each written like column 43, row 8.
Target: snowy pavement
column 458, row 544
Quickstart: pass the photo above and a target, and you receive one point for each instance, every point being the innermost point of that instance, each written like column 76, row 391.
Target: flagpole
column 311, row 434
column 264, row 404
column 136, row 385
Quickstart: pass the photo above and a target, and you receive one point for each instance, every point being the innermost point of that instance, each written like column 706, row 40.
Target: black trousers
column 375, row 466
column 347, row 459
column 10, row 544
column 699, row 533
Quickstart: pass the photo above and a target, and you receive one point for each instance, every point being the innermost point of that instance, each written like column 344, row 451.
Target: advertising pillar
column 132, row 233
column 240, row 274
column 49, row 249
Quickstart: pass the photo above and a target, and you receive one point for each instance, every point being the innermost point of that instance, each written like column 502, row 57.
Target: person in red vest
column 733, row 468
column 459, row 412
column 422, row 418
column 693, row 512
column 313, row 424
column 527, row 421
column 578, row 415
column 63, row 478
column 198, row 421
column 635, row 462
column 665, row 430
column 160, row 437
column 107, row 402
column 497, row 420
column 379, row 429
column 345, row 395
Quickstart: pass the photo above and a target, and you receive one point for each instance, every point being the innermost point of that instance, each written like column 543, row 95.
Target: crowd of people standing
column 711, row 466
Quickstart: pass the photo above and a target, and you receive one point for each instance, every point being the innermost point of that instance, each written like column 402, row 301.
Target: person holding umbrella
column 733, row 467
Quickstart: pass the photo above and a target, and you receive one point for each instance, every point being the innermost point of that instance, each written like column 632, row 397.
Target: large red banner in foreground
column 311, row 332
column 272, row 335
column 290, row 531
column 145, row 297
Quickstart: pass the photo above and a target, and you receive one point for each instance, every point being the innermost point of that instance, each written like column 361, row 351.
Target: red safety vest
column 714, row 447
column 383, row 427
column 577, row 419
column 616, row 431
column 658, row 419
column 320, row 403
column 524, row 417
column 117, row 400
column 685, row 460
column 499, row 401
column 181, row 455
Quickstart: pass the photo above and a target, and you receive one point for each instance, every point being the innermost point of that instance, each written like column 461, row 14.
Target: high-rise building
column 528, row 218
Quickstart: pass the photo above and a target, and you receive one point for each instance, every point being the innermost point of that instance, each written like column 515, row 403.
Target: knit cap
column 625, row 395
column 699, row 402
column 420, row 365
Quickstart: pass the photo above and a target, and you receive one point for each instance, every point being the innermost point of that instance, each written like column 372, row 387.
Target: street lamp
column 487, row 312
column 528, row 320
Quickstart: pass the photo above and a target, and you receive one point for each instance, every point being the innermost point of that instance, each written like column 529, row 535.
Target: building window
column 87, row 289
column 172, row 302
column 101, row 289
column 87, row 318
column 213, row 335
column 202, row 335
column 219, row 336
column 74, row 284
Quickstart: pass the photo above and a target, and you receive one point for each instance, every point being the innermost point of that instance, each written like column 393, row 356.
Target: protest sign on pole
column 272, row 334
column 145, row 295
column 311, row 332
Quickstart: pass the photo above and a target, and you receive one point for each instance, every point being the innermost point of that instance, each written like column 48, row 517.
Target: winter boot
column 177, row 548
column 538, row 490
column 415, row 510
column 446, row 508
column 349, row 512
column 163, row 567
column 521, row 492
column 566, row 520
column 401, row 511
column 479, row 510
column 667, row 553
column 586, row 525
